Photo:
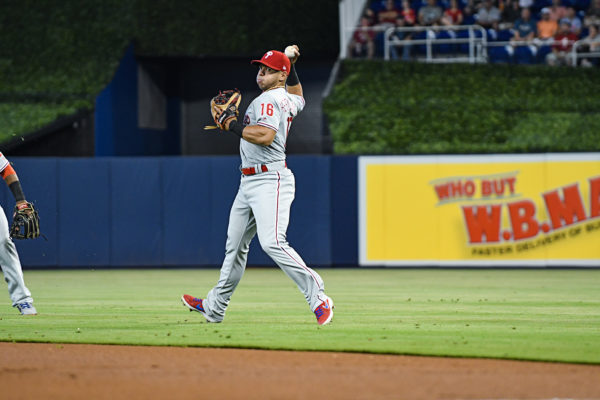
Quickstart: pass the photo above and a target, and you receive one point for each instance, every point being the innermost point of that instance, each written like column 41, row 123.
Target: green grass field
column 549, row 315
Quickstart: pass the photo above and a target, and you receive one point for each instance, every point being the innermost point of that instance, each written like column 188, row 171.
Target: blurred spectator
column 592, row 15
column 469, row 13
column 574, row 20
column 453, row 15
column 546, row 28
column 363, row 41
column 557, row 11
column 488, row 15
column 407, row 18
column 510, row 14
column 387, row 17
column 525, row 28
column 408, row 14
column 591, row 45
column 562, row 45
column 372, row 10
column 431, row 14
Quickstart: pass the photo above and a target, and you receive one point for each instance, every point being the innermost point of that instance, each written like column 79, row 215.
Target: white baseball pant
column 262, row 206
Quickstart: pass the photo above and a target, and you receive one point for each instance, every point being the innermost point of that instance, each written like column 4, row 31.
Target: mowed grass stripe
column 551, row 315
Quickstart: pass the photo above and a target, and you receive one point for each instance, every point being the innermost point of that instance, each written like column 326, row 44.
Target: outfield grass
column 549, row 315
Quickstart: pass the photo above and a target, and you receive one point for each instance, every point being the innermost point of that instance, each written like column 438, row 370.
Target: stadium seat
column 379, row 44
column 420, row 48
column 377, row 5
column 491, row 35
column 416, row 5
column 539, row 4
column 445, row 4
column 504, row 35
column 523, row 55
column 498, row 54
column 444, row 48
column 584, row 32
column 542, row 53
column 464, row 47
column 469, row 20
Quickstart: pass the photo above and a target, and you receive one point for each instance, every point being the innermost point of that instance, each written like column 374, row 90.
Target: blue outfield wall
column 173, row 211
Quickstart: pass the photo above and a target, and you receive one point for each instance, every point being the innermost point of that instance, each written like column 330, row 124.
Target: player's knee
column 270, row 247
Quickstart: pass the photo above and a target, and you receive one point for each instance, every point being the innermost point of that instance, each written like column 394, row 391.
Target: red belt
column 252, row 170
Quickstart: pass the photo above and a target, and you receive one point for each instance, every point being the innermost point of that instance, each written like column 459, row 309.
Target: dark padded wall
column 173, row 211
column 201, row 79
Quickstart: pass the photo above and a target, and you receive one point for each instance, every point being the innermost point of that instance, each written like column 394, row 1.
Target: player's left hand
column 26, row 222
column 224, row 108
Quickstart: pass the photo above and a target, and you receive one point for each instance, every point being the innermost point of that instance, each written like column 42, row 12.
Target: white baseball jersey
column 274, row 109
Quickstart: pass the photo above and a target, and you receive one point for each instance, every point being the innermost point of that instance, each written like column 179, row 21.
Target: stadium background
column 122, row 89
column 102, row 104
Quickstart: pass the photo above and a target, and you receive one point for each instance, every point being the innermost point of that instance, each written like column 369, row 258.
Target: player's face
column 268, row 77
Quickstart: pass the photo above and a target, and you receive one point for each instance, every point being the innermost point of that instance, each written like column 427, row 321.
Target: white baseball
column 291, row 52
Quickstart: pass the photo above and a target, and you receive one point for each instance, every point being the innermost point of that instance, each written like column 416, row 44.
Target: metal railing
column 575, row 54
column 477, row 44
column 533, row 45
column 476, row 40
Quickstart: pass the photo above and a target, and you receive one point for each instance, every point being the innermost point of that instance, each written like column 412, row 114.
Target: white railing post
column 428, row 45
column 386, row 45
column 471, row 47
column 574, row 53
column 482, row 47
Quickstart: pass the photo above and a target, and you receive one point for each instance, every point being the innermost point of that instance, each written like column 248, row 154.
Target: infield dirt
column 76, row 371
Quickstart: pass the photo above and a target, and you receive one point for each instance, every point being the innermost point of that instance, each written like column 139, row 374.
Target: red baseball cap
column 276, row 60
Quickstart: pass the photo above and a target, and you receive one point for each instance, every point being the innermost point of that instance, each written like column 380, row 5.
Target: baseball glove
column 26, row 222
column 224, row 107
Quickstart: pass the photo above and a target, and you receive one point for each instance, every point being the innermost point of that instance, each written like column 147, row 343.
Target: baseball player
column 266, row 191
column 9, row 259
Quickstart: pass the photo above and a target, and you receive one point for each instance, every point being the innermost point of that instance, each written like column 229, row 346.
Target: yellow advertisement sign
column 480, row 210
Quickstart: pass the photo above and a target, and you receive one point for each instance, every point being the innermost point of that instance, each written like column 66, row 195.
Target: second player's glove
column 26, row 222
column 224, row 108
